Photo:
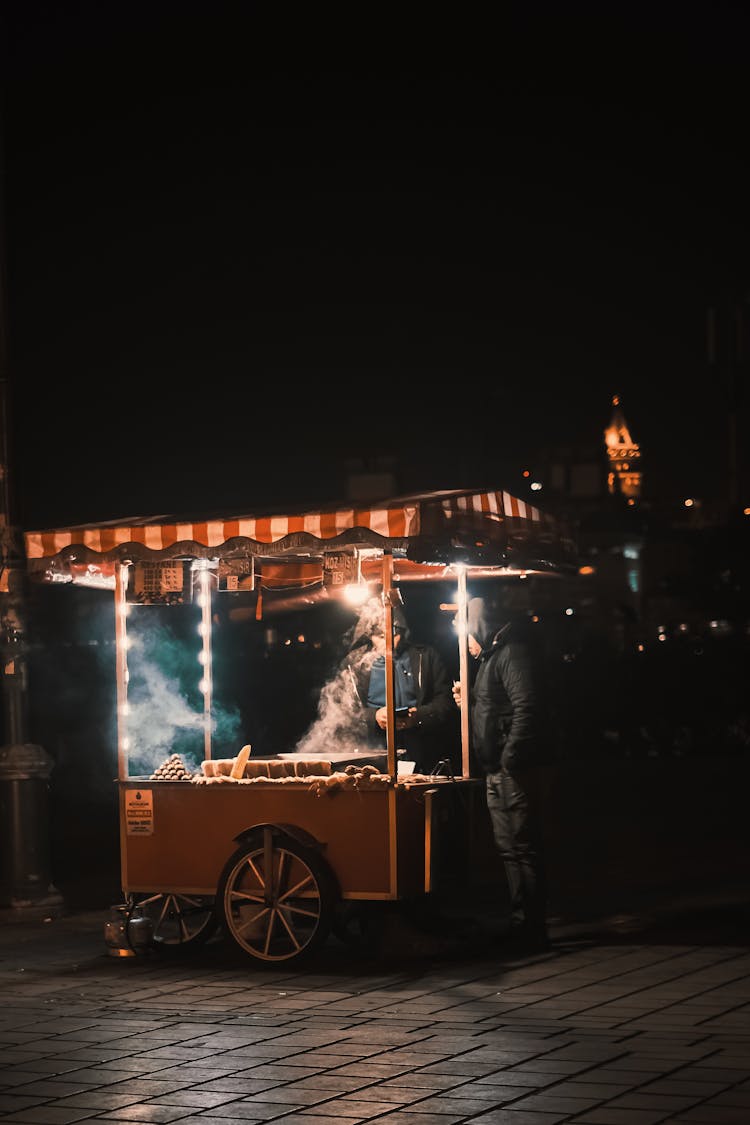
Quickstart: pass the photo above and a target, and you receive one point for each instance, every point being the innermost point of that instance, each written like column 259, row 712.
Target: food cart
column 272, row 849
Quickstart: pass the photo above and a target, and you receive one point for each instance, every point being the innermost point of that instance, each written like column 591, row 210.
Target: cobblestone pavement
column 636, row 1021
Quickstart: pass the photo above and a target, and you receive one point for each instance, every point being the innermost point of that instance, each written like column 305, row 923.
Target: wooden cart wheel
column 180, row 921
column 277, row 898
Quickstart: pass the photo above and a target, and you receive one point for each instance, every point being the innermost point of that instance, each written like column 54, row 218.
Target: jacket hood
column 370, row 622
column 485, row 616
column 400, row 624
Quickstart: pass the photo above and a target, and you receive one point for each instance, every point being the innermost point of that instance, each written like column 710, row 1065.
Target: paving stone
column 596, row 1034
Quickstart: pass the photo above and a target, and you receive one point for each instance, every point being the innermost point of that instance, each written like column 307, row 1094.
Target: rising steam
column 339, row 726
column 165, row 707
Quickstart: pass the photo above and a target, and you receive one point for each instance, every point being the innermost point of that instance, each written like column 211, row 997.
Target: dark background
column 244, row 245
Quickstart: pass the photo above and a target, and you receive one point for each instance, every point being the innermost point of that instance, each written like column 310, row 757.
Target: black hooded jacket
column 508, row 712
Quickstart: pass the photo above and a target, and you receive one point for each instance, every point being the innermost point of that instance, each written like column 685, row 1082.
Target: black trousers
column 514, row 804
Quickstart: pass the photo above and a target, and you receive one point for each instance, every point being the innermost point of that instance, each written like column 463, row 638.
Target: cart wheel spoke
column 167, row 908
column 247, row 896
column 295, row 909
column 298, row 888
column 259, row 877
column 180, row 921
column 294, row 890
column 252, row 922
column 289, row 929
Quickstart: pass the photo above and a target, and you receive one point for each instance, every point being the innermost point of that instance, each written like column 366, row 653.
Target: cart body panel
column 380, row 843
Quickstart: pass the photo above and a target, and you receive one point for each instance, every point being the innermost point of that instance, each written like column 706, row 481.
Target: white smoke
column 161, row 719
column 339, row 726
column 158, row 718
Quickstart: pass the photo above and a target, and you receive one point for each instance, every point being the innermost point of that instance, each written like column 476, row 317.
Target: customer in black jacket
column 508, row 719
column 425, row 717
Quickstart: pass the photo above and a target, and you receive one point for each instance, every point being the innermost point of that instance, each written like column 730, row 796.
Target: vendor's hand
column 403, row 722
column 456, row 689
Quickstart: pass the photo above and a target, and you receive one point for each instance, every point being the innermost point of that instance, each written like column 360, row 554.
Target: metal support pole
column 389, row 685
column 24, row 768
column 25, row 877
column 463, row 662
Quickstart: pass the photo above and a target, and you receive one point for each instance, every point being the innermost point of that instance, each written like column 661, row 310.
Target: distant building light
column 689, row 503
column 662, row 636
column 586, row 570
column 746, row 511
column 569, row 611
column 641, row 647
column 535, row 486
column 526, row 473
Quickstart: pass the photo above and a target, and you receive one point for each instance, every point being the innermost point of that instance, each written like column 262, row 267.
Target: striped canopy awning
column 440, row 521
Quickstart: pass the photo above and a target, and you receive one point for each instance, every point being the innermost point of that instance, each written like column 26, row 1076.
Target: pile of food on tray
column 322, row 775
column 172, row 769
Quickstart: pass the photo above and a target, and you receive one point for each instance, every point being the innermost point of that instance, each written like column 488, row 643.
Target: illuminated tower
column 624, row 472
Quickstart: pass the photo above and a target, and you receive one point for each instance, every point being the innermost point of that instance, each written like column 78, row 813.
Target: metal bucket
column 127, row 932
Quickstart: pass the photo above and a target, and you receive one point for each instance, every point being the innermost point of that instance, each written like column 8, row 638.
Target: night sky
column 246, row 243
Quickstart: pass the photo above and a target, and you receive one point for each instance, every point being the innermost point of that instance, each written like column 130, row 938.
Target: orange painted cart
column 273, row 861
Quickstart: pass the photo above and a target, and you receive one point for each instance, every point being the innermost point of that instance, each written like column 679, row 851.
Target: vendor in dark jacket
column 425, row 716
column 508, row 720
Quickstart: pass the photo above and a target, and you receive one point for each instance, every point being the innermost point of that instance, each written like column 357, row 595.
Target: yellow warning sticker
column 139, row 812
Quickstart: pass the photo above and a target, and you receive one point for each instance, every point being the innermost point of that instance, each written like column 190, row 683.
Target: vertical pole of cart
column 463, row 667
column 391, row 721
column 206, row 655
column 122, row 574
column 389, row 688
